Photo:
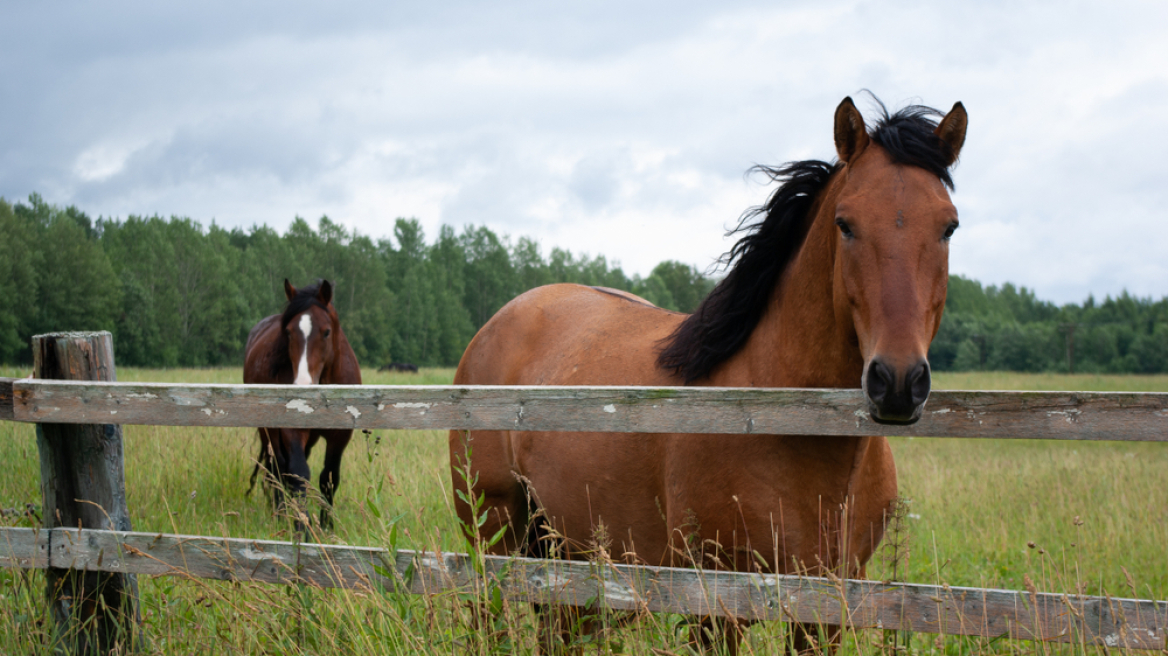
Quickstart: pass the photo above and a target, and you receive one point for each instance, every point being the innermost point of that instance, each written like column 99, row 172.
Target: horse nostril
column 879, row 381
column 919, row 383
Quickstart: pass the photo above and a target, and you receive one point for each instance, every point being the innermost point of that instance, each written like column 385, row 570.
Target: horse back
column 569, row 334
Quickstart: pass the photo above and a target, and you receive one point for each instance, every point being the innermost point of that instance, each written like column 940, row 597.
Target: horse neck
column 799, row 341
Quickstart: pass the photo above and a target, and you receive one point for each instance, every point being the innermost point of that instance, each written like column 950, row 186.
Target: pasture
column 1075, row 517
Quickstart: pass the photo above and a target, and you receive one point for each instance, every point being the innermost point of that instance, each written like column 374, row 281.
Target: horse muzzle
column 896, row 395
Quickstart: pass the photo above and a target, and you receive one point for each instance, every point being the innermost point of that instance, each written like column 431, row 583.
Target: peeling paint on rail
column 254, row 554
column 301, row 405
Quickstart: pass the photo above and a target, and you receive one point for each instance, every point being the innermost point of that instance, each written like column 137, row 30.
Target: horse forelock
column 304, row 299
column 909, row 137
column 774, row 232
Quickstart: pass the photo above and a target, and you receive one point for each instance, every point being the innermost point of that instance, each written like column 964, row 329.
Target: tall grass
column 1095, row 513
column 1100, row 507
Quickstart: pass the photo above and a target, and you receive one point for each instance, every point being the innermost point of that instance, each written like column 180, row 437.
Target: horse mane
column 305, row 298
column 725, row 318
column 774, row 231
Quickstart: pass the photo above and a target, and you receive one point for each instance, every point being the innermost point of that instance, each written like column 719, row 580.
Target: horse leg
column 296, row 475
column 263, row 461
column 273, row 461
column 487, row 484
column 487, row 487
column 577, row 629
column 330, row 475
column 713, row 635
column 807, row 638
column 564, row 629
column 556, row 628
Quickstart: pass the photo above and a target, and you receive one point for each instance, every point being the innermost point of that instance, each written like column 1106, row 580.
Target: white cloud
column 102, row 161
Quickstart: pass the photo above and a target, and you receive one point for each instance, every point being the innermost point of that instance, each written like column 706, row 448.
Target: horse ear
column 289, row 290
column 325, row 294
column 952, row 131
column 851, row 136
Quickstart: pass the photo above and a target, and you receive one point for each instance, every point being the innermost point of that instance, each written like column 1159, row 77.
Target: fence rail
column 1126, row 416
column 1138, row 624
column 1128, row 623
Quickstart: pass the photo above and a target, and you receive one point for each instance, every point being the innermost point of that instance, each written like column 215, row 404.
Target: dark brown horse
column 303, row 346
column 839, row 282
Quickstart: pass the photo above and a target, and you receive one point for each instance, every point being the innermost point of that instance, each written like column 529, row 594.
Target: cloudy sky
column 615, row 128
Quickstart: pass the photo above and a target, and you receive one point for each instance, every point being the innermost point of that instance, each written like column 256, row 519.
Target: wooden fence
column 1113, row 622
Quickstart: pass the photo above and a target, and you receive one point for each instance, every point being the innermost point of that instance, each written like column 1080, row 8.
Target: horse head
column 309, row 325
column 891, row 268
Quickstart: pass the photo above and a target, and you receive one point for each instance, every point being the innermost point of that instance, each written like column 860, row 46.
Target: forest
column 175, row 293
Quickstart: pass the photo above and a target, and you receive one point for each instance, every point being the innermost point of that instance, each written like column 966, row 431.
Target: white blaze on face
column 303, row 377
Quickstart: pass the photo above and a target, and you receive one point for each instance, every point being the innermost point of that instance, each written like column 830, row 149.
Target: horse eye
column 845, row 228
column 326, row 332
column 950, row 230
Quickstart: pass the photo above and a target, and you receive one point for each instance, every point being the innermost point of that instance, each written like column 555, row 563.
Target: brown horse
column 839, row 282
column 303, row 346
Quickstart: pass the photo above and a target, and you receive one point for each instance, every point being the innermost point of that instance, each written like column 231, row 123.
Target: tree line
column 175, row 293
column 1008, row 329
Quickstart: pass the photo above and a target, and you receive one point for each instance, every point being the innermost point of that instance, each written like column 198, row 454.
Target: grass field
column 1096, row 513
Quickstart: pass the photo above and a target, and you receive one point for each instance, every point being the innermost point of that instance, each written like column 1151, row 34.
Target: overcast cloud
column 619, row 128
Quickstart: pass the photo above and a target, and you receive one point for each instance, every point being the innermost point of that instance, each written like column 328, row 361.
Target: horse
column 405, row 367
column 304, row 345
column 838, row 281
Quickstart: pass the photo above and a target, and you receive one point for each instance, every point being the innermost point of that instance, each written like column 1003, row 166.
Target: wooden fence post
column 83, row 486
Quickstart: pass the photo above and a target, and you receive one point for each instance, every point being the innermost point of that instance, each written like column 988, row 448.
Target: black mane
column 773, row 233
column 305, row 298
column 723, row 321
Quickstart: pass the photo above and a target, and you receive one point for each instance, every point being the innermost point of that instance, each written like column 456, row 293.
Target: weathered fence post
column 83, row 486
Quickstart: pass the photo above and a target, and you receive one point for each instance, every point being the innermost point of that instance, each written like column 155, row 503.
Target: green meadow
column 1089, row 517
